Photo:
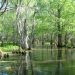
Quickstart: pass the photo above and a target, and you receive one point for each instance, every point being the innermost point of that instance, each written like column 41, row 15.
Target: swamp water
column 11, row 65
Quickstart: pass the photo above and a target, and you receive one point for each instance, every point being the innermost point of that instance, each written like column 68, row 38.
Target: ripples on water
column 66, row 67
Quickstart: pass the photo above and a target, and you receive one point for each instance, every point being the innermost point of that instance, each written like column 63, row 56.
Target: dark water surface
column 40, row 65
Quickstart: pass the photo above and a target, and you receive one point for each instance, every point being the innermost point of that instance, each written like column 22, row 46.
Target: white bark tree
column 24, row 23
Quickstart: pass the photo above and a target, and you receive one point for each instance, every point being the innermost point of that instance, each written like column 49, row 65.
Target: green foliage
column 45, row 14
column 9, row 48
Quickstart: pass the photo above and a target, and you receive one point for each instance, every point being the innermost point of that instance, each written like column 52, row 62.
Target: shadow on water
column 59, row 68
column 53, row 67
column 59, row 63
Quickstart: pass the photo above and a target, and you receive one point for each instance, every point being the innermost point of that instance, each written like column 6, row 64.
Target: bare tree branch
column 4, row 9
column 4, row 1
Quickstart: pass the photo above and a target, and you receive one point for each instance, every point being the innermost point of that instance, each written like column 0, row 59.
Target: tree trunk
column 66, row 51
column 58, row 68
column 51, row 44
column 59, row 36
column 22, row 29
column 32, row 34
